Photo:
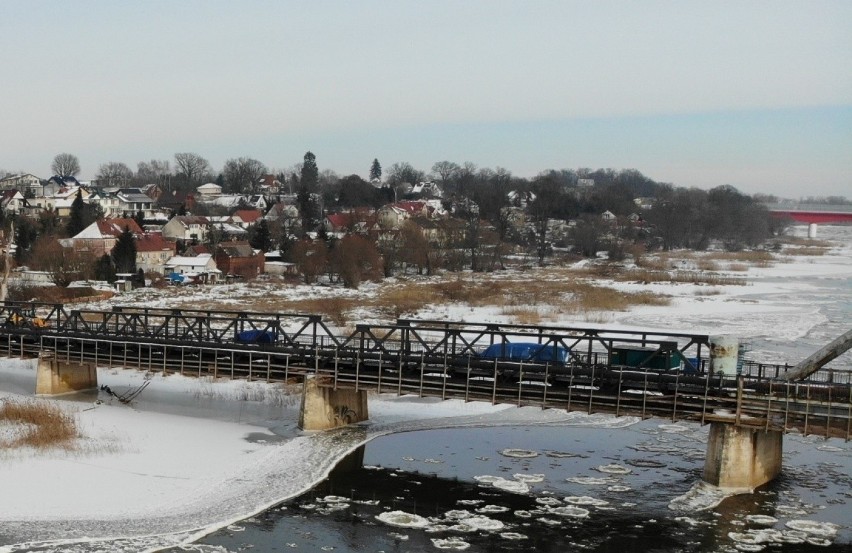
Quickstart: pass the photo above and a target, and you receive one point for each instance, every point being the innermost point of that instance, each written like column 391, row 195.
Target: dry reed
column 41, row 424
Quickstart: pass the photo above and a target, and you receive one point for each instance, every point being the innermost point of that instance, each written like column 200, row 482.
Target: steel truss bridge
column 668, row 379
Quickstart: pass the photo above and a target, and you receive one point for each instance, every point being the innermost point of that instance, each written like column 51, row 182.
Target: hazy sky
column 754, row 94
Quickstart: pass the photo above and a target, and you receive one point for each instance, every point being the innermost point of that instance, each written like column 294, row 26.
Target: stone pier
column 326, row 408
column 742, row 458
column 55, row 376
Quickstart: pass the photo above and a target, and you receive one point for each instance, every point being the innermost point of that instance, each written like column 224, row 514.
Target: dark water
column 438, row 475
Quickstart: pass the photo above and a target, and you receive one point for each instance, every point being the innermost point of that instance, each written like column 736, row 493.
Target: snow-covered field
column 190, row 455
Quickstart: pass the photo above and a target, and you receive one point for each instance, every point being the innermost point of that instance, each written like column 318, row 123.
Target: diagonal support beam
column 815, row 362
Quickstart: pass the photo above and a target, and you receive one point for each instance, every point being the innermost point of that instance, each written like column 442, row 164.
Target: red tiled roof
column 154, row 243
column 248, row 215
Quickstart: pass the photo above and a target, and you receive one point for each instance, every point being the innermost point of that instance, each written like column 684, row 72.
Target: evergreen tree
column 124, row 253
column 104, row 269
column 310, row 173
column 77, row 219
column 139, row 218
column 261, row 237
column 375, row 170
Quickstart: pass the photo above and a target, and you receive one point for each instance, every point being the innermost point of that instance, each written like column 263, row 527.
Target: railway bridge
column 672, row 376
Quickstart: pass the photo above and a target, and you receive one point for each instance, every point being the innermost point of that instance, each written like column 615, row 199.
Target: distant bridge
column 812, row 213
column 625, row 373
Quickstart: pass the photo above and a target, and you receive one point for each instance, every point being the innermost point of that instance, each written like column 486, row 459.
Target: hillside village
column 349, row 231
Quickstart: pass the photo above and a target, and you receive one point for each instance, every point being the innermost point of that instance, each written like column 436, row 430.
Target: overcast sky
column 754, row 94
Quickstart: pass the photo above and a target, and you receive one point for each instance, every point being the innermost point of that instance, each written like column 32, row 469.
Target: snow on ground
column 190, row 455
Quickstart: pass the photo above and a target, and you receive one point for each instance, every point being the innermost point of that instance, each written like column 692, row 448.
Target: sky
column 755, row 94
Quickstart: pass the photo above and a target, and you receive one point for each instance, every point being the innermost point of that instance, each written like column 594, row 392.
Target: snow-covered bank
column 190, row 455
column 166, row 478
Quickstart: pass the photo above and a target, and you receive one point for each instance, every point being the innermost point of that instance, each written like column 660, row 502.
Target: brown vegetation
column 37, row 424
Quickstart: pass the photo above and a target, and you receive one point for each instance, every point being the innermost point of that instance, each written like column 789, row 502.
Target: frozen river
column 189, row 461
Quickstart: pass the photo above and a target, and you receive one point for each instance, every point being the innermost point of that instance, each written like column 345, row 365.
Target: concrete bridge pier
column 55, row 376
column 325, row 408
column 742, row 458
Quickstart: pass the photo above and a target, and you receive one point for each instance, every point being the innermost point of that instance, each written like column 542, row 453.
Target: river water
column 567, row 488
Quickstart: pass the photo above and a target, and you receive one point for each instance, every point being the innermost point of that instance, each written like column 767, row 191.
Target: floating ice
column 400, row 537
column 402, row 519
column 492, row 509
column 822, row 542
column 480, row 523
column 673, row 428
column 548, row 501
column 589, row 480
column 511, row 486
column 749, row 547
column 236, row 528
column 645, row 463
column 691, row 521
column 569, row 511
column 832, row 448
column 334, row 499
column 433, row 461
column 619, row 488
column 469, row 501
column 512, row 536
column 763, row 520
column 519, row 453
column 614, row 469
column 550, row 521
column 523, row 514
column 561, row 454
column 529, row 478
column 585, row 500
column 814, row 527
column 487, row 478
column 457, row 514
column 456, row 544
column 408, row 459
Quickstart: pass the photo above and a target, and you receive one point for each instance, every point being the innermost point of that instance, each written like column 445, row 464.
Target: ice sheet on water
column 552, row 501
column 455, row 544
column 519, row 453
column 529, row 478
column 614, row 468
column 512, row 536
column 814, row 527
column 589, row 480
column 512, row 486
column 585, row 500
column 569, row 511
column 763, row 520
column 402, row 519
column 488, row 509
column 700, row 497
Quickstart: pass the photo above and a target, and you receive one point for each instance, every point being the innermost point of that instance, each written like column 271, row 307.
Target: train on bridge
column 624, row 372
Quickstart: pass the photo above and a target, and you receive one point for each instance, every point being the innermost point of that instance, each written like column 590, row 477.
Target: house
column 392, row 216
column 100, row 237
column 239, row 259
column 282, row 211
column 608, row 216
column 258, row 201
column 186, row 227
column 428, row 189
column 27, row 183
column 246, row 218
column 269, row 184
column 208, row 192
column 360, row 221
column 198, row 269
column 152, row 252
column 12, row 201
column 132, row 201
column 173, row 201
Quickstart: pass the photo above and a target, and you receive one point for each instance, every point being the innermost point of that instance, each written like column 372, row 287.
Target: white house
column 201, row 267
column 209, row 191
column 186, row 227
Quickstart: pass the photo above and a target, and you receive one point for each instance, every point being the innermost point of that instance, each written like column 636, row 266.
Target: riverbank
column 191, row 455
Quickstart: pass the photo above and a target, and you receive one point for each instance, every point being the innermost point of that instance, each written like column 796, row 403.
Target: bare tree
column 445, row 171
column 155, row 171
column 242, row 175
column 65, row 165
column 192, row 167
column 114, row 173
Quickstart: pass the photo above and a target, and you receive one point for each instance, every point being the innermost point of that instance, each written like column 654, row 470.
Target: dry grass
column 707, row 265
column 738, row 267
column 811, row 251
column 37, row 424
